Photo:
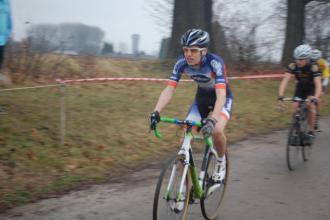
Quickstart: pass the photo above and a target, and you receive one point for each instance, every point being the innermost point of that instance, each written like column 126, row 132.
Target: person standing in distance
column 5, row 32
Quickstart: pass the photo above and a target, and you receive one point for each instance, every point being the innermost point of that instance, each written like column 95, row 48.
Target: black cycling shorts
column 204, row 103
column 304, row 90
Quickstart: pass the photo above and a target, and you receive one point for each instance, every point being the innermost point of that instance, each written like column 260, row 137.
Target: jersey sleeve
column 315, row 70
column 220, row 74
column 177, row 72
column 290, row 68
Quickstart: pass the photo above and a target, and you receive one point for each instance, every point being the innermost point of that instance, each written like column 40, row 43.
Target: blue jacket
column 5, row 21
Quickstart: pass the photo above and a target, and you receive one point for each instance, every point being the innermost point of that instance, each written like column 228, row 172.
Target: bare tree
column 25, row 63
column 74, row 37
column 317, row 26
column 220, row 43
column 249, row 35
column 295, row 26
column 180, row 15
column 189, row 14
column 162, row 13
column 295, row 29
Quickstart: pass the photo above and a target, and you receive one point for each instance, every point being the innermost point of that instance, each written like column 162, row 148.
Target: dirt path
column 260, row 187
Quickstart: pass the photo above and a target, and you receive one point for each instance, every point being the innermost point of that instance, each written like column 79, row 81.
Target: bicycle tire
column 164, row 205
column 306, row 148
column 217, row 195
column 293, row 146
column 306, row 152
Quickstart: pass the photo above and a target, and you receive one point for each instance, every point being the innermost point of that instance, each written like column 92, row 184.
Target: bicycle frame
column 300, row 116
column 186, row 152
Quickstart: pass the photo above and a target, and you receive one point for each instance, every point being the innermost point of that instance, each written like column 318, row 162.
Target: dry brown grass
column 107, row 128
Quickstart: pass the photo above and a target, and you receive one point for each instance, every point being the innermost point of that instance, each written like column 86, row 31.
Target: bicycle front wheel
column 213, row 192
column 306, row 153
column 169, row 202
column 307, row 141
column 293, row 147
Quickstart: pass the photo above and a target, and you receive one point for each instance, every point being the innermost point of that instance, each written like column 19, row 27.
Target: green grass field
column 107, row 132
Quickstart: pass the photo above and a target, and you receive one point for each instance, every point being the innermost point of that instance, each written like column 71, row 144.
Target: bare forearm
column 283, row 84
column 318, row 90
column 164, row 98
column 282, row 88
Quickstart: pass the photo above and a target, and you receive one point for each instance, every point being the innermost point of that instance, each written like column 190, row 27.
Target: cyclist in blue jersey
column 213, row 99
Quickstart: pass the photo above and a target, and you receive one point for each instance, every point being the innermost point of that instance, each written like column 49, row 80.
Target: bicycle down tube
column 188, row 158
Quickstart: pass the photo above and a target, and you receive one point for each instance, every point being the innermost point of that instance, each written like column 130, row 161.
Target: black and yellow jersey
column 304, row 75
column 324, row 67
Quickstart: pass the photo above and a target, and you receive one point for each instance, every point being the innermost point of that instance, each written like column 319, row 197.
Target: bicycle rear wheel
column 167, row 197
column 293, row 147
column 213, row 192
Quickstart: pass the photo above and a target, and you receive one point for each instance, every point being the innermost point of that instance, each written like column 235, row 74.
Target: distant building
column 135, row 44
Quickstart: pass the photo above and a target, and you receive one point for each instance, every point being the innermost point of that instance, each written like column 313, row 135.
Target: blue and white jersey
column 210, row 76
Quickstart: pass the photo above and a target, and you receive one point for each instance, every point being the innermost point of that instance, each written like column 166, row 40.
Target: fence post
column 62, row 114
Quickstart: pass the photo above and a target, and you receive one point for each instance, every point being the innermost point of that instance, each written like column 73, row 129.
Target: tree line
column 73, row 38
column 241, row 38
column 241, row 32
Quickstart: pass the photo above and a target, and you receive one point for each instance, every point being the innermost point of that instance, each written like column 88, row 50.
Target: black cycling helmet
column 195, row 37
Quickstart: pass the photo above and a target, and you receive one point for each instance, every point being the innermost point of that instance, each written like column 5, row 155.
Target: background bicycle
column 299, row 142
column 178, row 184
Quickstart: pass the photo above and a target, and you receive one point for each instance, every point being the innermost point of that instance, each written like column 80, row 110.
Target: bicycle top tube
column 189, row 123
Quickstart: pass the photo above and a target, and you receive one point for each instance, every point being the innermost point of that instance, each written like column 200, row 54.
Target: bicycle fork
column 208, row 151
column 184, row 153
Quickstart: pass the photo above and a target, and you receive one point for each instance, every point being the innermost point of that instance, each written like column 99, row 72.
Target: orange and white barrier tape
column 111, row 79
column 29, row 87
column 68, row 81
column 72, row 81
column 257, row 76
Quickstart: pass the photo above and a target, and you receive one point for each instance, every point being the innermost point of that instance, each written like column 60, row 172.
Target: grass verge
column 107, row 132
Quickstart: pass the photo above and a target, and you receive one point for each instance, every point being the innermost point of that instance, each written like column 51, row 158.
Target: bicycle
column 298, row 141
column 178, row 183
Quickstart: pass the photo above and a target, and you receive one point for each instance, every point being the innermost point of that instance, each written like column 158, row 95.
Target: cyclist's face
column 194, row 55
column 302, row 62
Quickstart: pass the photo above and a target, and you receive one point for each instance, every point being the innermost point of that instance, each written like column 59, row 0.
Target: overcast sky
column 118, row 19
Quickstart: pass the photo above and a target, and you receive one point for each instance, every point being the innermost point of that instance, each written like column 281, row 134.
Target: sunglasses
column 192, row 50
column 300, row 60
